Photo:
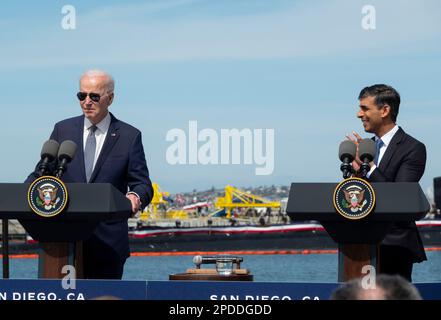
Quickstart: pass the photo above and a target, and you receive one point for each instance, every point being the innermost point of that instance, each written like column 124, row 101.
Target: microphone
column 346, row 153
column 65, row 155
column 366, row 150
column 48, row 154
column 198, row 260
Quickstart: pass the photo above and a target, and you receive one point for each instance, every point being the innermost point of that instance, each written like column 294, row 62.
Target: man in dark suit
column 108, row 151
column 399, row 158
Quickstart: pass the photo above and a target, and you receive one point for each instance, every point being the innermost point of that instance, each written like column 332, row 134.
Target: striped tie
column 89, row 152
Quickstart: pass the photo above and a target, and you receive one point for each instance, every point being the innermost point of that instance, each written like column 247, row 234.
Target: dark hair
column 393, row 287
column 383, row 94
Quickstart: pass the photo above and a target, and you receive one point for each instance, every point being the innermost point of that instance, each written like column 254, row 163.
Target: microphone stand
column 365, row 166
column 347, row 169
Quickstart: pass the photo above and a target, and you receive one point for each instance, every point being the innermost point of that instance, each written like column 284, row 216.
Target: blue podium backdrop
column 24, row 289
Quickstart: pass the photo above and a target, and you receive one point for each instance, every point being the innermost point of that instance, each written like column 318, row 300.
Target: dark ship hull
column 279, row 238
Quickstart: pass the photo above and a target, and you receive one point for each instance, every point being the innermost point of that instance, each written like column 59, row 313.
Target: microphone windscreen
column 347, row 149
column 366, row 149
column 50, row 149
column 197, row 260
column 67, row 150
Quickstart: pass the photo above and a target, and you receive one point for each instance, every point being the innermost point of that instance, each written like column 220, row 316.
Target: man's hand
column 355, row 139
column 136, row 203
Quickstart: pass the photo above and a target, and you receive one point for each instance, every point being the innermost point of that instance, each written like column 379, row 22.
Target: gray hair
column 110, row 83
column 388, row 287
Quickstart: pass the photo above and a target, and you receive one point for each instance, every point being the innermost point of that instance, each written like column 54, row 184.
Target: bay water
column 265, row 268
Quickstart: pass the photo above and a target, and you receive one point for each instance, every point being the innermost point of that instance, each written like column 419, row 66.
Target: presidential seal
column 47, row 196
column 354, row 198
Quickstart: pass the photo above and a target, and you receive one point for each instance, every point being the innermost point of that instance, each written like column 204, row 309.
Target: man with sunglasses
column 109, row 151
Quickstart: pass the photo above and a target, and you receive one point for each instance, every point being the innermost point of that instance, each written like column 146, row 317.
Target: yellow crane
column 235, row 198
column 160, row 198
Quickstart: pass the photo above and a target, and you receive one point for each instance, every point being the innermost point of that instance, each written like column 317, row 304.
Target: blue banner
column 39, row 289
column 214, row 290
column 23, row 289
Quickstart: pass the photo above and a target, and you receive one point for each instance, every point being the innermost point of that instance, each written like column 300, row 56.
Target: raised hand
column 355, row 139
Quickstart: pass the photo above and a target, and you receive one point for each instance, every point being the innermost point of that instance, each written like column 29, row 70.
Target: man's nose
column 360, row 114
column 88, row 101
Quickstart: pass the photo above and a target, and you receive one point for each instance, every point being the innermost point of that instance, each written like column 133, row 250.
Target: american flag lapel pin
column 113, row 134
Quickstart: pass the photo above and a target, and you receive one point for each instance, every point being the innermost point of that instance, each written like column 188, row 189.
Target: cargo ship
column 238, row 221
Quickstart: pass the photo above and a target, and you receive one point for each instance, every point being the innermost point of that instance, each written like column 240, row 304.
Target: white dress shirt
column 386, row 141
column 100, row 134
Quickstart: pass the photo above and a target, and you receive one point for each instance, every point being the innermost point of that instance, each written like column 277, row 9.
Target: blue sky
column 293, row 66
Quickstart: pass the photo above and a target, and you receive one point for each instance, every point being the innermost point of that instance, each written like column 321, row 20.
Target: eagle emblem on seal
column 354, row 198
column 47, row 196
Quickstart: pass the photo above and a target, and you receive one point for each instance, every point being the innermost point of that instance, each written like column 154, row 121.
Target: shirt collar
column 388, row 136
column 103, row 125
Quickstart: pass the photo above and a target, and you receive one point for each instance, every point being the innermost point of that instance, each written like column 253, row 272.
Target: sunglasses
column 95, row 97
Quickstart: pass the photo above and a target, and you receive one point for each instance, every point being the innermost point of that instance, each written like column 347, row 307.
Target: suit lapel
column 393, row 146
column 111, row 138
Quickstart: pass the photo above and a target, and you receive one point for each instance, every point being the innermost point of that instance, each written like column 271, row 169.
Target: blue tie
column 89, row 152
column 378, row 144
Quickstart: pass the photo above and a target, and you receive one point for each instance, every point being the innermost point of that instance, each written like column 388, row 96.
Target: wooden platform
column 212, row 275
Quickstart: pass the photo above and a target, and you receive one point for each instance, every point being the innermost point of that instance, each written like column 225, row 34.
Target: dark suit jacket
column 403, row 161
column 121, row 163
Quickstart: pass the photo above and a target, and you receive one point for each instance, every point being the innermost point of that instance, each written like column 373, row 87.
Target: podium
column 61, row 237
column 358, row 240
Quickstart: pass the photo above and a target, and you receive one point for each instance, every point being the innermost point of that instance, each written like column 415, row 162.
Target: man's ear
column 386, row 111
column 111, row 98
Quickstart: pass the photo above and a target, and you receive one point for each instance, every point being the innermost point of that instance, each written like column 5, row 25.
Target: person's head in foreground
column 387, row 287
